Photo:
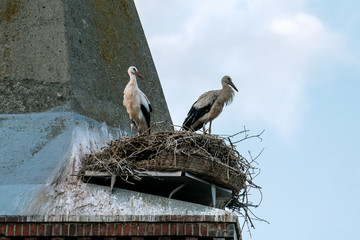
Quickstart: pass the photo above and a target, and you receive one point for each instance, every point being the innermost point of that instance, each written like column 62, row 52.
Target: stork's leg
column 131, row 126
column 204, row 130
column 210, row 128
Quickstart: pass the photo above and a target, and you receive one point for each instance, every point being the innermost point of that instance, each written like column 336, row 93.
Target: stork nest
column 210, row 157
column 204, row 155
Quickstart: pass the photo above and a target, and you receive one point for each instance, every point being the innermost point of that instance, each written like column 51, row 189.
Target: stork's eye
column 229, row 79
column 134, row 69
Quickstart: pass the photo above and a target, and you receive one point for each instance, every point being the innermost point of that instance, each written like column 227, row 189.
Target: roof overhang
column 178, row 185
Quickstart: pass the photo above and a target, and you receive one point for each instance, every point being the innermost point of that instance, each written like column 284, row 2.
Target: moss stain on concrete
column 11, row 10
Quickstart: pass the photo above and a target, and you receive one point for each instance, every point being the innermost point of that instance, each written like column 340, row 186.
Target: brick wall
column 179, row 227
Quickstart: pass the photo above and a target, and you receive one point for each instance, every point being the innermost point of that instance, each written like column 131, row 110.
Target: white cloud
column 303, row 30
column 265, row 46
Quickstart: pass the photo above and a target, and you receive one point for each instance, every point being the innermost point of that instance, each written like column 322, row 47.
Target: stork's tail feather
column 187, row 125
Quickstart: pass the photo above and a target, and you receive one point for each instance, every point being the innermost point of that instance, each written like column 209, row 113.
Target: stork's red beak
column 233, row 86
column 139, row 75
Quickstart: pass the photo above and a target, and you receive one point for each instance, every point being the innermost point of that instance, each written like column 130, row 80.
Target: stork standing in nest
column 209, row 106
column 136, row 103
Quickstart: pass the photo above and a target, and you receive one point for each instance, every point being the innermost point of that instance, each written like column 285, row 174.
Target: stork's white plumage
column 137, row 104
column 209, row 106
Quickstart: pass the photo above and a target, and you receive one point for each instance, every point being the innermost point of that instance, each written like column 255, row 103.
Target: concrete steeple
column 74, row 55
column 63, row 70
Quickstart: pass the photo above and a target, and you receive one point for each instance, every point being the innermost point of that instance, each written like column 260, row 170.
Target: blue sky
column 297, row 66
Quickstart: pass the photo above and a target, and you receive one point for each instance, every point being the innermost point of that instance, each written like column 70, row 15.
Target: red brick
column 110, row 238
column 18, row 229
column 216, row 229
column 65, row 229
column 95, row 229
column 177, row 218
column 72, row 229
column 180, row 230
column 173, row 229
column 80, row 230
column 215, row 233
column 34, row 238
column 196, row 229
column 142, row 229
column 118, row 229
column 41, row 230
column 158, row 229
column 189, row 229
column 103, row 229
column 126, row 229
column 150, row 229
column 26, row 229
column 2, row 229
column 12, row 219
column 164, row 218
column 165, row 229
column 190, row 218
column 134, row 229
column 57, row 228
column 88, row 229
column 49, row 230
column 11, row 229
column 137, row 238
column 223, row 226
column 110, row 229
column 213, row 226
column 33, row 229
column 203, row 230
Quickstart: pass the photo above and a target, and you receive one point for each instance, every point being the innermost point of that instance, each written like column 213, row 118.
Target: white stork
column 209, row 106
column 136, row 103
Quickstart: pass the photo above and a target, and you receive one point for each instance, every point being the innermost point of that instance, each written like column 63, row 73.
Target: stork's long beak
column 233, row 86
column 139, row 75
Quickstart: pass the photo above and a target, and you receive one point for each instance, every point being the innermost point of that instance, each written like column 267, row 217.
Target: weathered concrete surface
column 78, row 52
column 34, row 73
column 32, row 40
column 33, row 149
column 29, row 95
column 112, row 35
column 39, row 178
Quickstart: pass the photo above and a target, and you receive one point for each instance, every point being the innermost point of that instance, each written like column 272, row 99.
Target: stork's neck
column 227, row 94
column 133, row 79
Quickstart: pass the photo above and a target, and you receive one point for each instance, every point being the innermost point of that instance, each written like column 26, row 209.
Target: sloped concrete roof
column 40, row 176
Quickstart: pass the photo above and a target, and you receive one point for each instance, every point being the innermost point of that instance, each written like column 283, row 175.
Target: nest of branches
column 211, row 157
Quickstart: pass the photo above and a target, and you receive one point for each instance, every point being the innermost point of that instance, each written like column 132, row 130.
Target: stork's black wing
column 146, row 113
column 193, row 115
column 145, row 107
